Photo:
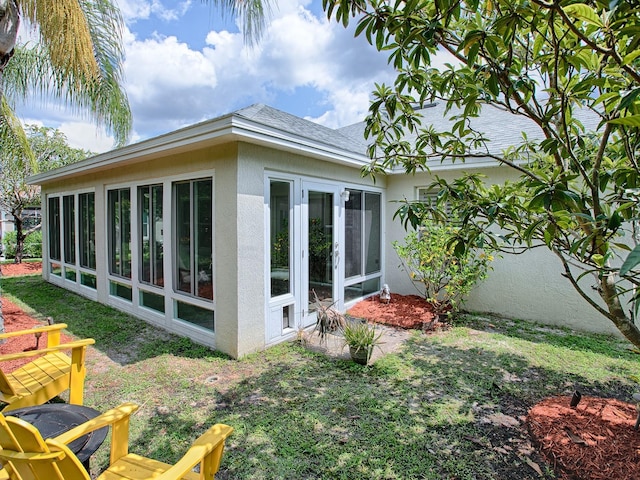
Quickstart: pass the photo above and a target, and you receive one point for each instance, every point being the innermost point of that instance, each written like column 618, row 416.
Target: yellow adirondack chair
column 48, row 375
column 26, row 455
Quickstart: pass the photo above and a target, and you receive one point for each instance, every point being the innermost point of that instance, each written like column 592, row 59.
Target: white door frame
column 296, row 303
column 308, row 318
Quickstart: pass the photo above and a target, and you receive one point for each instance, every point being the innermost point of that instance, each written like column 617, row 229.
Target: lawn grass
column 448, row 406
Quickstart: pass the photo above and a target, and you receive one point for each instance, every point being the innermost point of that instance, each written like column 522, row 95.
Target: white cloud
column 79, row 134
column 171, row 84
column 84, row 135
column 133, row 10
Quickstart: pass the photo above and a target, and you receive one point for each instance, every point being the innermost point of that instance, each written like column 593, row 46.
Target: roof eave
column 226, row 129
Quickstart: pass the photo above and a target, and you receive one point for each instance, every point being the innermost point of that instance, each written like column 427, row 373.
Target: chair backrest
column 26, row 456
column 5, row 386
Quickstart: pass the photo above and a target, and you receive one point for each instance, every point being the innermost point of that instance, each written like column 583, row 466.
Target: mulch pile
column 404, row 311
column 595, row 441
column 24, row 268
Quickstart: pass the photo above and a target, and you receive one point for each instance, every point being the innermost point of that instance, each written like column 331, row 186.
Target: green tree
column 50, row 150
column 557, row 64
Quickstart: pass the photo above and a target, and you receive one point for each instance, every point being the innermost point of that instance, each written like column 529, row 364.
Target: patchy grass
column 447, row 406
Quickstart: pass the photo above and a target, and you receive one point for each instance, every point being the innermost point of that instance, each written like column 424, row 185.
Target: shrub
column 441, row 277
column 32, row 245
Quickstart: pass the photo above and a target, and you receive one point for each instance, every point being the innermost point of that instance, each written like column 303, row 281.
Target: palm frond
column 63, row 27
column 14, row 143
column 252, row 14
column 33, row 74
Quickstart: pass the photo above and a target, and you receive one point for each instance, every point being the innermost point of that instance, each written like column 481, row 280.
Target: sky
column 187, row 62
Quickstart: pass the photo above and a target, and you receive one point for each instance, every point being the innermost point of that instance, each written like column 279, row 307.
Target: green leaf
column 630, row 121
column 630, row 57
column 633, row 259
column 598, row 259
column 583, row 12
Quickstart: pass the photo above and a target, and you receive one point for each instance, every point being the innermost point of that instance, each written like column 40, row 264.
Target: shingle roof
column 502, row 129
column 291, row 124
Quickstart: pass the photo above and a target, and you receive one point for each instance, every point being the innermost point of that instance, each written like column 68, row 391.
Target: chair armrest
column 57, row 348
column 31, row 331
column 31, row 456
column 203, row 446
column 103, row 420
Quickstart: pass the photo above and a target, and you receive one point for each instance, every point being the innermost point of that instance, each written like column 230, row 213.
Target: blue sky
column 185, row 64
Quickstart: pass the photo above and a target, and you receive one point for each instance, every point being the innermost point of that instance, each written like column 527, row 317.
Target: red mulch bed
column 24, row 268
column 595, row 441
column 404, row 311
column 15, row 319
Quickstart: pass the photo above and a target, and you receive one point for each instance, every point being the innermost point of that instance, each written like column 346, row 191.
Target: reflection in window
column 362, row 233
column 152, row 301
column 54, row 228
column 87, row 232
column 361, row 289
column 119, row 214
column 280, row 212
column 69, row 230
column 200, row 317
column 194, row 237
column 120, row 290
column 372, row 231
column 353, row 234
column 151, row 234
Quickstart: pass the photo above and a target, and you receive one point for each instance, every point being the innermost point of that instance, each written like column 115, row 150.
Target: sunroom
column 227, row 232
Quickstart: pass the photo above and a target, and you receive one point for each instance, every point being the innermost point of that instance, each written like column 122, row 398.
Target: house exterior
column 230, row 231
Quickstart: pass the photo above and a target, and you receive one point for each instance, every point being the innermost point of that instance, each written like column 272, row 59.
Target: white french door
column 322, row 269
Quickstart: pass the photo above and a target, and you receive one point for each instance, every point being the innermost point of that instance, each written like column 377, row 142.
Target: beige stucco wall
column 528, row 286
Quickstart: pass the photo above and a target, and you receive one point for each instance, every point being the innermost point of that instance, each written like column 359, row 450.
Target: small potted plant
column 361, row 338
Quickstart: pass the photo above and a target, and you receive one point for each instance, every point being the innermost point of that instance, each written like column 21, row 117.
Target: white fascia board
column 448, row 165
column 260, row 134
column 227, row 129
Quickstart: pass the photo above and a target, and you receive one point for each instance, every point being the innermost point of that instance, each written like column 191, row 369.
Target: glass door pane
column 320, row 248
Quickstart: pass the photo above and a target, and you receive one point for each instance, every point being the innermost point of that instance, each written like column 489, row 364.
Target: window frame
column 69, row 268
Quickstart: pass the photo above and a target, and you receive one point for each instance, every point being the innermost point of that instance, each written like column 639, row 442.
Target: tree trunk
column 9, row 23
column 616, row 312
column 19, row 238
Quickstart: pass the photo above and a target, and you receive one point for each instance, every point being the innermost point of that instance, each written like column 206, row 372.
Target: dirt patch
column 24, row 268
column 595, row 440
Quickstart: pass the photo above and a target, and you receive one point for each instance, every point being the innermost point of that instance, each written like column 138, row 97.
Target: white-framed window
column 119, row 232
column 71, row 237
column 193, row 203
column 193, row 252
column 280, row 225
column 151, row 234
column 363, row 243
